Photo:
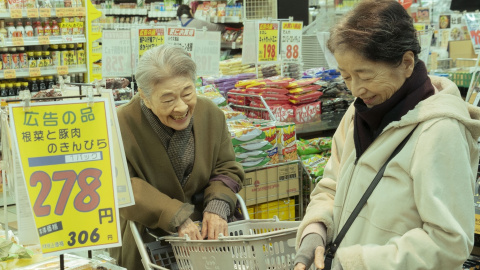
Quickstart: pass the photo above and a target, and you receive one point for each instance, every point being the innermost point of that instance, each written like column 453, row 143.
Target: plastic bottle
column 6, row 58
column 20, row 30
column 15, row 64
column 47, row 60
column 23, row 57
column 3, row 31
column 28, row 29
column 63, row 55
column 34, row 87
column 10, row 30
column 80, row 54
column 17, row 87
column 9, row 90
column 72, row 54
column 3, row 90
column 55, row 28
column 25, row 86
column 39, row 59
column 54, row 54
column 38, row 30
column 47, row 29
column 32, row 62
column 49, row 82
column 41, row 84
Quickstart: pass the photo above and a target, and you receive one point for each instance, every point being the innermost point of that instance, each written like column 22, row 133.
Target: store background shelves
column 162, row 14
column 230, row 45
column 124, row 11
column 32, row 41
column 23, row 73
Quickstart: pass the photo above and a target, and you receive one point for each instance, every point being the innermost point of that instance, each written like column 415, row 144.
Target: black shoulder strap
column 333, row 247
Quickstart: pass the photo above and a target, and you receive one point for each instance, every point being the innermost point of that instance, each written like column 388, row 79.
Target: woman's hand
column 311, row 250
column 212, row 225
column 190, row 228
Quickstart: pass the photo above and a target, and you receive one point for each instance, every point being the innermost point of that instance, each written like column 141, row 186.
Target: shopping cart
column 251, row 244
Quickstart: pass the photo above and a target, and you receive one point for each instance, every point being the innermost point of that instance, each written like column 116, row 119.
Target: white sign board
column 207, row 53
column 291, row 41
column 116, row 53
column 249, row 52
column 182, row 36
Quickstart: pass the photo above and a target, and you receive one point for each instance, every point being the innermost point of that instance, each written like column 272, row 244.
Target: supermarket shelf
column 23, row 73
column 63, row 12
column 230, row 45
column 124, row 11
column 32, row 41
column 162, row 14
column 225, row 19
column 326, row 122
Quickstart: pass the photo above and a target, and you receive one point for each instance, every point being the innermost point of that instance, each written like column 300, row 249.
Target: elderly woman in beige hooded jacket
column 421, row 214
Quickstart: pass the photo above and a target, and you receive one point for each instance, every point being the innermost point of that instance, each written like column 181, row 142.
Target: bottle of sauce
column 63, row 55
column 34, row 87
column 23, row 57
column 32, row 62
column 72, row 54
column 10, row 91
column 3, row 90
column 15, row 64
column 6, row 59
column 20, row 30
column 38, row 57
column 54, row 54
column 47, row 60
column 55, row 28
column 49, row 82
column 25, row 86
column 38, row 30
column 17, row 88
column 41, row 84
column 11, row 31
column 28, row 29
column 47, row 29
column 2, row 28
column 80, row 54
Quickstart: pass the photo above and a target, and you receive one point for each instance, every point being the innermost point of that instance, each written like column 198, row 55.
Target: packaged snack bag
column 286, row 141
column 302, row 82
column 305, row 98
column 307, row 112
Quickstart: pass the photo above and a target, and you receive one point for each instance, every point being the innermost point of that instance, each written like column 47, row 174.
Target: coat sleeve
column 225, row 165
column 149, row 212
column 320, row 208
column 443, row 171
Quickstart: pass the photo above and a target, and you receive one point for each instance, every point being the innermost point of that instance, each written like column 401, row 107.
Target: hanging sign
column 149, row 38
column 116, row 53
column 65, row 152
column 473, row 24
column 267, row 42
column 291, row 41
column 182, row 36
column 207, row 53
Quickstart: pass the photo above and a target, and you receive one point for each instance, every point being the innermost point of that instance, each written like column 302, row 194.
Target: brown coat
column 160, row 201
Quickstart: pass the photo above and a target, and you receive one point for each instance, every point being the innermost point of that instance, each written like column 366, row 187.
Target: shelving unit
column 230, row 45
column 33, row 41
column 46, row 71
column 33, row 13
column 125, row 11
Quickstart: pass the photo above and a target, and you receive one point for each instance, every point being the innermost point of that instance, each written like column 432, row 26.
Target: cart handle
column 243, row 207
column 147, row 264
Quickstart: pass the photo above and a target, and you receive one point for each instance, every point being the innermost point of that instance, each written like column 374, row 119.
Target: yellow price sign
column 62, row 70
column 149, row 38
column 267, row 42
column 80, row 11
column 43, row 40
column 9, row 74
column 45, row 12
column 34, row 72
column 17, row 41
column 32, row 13
column 16, row 13
column 69, row 12
column 66, row 155
column 60, row 12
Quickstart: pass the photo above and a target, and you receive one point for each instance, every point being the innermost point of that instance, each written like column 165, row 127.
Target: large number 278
column 70, row 177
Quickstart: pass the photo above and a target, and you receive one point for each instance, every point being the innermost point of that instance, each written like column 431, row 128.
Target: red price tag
column 43, row 40
column 16, row 13
column 45, row 12
column 34, row 72
column 17, row 41
column 9, row 74
column 32, row 13
column 62, row 70
column 292, row 52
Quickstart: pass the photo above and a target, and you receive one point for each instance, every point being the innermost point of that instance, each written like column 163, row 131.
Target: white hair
column 161, row 63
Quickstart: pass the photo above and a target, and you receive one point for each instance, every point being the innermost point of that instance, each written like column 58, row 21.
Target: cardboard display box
column 264, row 185
column 283, row 209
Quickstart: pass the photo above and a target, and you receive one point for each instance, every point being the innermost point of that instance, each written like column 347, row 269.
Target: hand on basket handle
column 213, row 225
column 190, row 228
column 311, row 250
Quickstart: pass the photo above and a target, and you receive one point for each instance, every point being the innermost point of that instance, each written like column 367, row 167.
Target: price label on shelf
column 116, row 53
column 80, row 11
column 267, row 42
column 9, row 74
column 34, row 72
column 61, row 12
column 291, row 41
column 62, row 70
column 67, row 38
column 70, row 12
column 45, row 12
column 65, row 150
column 32, row 13
column 149, row 38
column 16, row 13
column 17, row 41
column 181, row 36
column 43, row 40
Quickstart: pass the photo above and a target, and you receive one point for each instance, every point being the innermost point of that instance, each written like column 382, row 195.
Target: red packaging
column 274, row 91
column 307, row 112
column 302, row 82
column 270, row 103
column 283, row 113
column 305, row 89
column 306, row 98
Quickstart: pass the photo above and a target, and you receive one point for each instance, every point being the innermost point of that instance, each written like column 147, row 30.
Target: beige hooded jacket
column 421, row 214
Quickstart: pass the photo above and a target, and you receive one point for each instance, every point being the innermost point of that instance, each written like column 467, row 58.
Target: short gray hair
column 161, row 63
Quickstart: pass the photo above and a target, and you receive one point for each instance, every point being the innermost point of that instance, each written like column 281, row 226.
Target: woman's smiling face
column 173, row 102
column 373, row 82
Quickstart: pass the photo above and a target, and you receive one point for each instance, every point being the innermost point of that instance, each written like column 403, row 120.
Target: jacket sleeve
column 149, row 211
column 225, row 166
column 443, row 171
column 320, row 208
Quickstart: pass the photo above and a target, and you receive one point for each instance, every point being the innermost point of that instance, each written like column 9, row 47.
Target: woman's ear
column 144, row 98
column 408, row 63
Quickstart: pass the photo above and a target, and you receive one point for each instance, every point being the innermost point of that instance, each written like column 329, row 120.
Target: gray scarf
column 180, row 144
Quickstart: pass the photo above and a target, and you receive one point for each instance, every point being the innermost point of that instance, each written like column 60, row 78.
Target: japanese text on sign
column 267, row 42
column 150, row 38
column 184, row 37
column 116, row 53
column 66, row 159
column 207, row 53
column 291, row 41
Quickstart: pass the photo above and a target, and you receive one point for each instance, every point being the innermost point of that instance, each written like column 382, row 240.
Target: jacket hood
column 446, row 103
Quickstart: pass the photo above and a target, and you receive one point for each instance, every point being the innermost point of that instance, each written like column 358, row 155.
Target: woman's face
column 373, row 82
column 173, row 102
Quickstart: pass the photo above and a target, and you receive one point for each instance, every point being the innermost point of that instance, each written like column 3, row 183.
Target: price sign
column 473, row 25
column 207, row 53
column 70, row 12
column 66, row 158
column 9, row 74
column 34, row 72
column 61, row 12
column 45, row 12
column 291, row 41
column 17, row 41
column 182, row 36
column 116, row 53
column 44, row 40
column 62, row 70
column 80, row 12
column 32, row 13
column 149, row 38
column 16, row 13
column 67, row 38
column 267, row 42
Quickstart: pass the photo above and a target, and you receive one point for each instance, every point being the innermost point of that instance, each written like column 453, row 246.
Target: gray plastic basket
column 257, row 244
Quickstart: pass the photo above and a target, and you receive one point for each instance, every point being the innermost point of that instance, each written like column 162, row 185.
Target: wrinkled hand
column 212, row 225
column 311, row 250
column 190, row 228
